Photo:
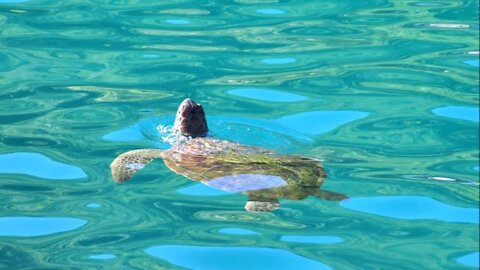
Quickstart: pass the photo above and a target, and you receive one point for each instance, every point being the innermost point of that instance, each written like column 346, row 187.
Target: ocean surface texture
column 384, row 92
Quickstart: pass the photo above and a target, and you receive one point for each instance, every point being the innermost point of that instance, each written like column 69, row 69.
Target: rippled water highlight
column 384, row 92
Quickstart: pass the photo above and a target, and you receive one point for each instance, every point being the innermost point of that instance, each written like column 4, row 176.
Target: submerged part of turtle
column 262, row 175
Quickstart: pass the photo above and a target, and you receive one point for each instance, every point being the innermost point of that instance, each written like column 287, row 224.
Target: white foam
column 171, row 136
column 449, row 25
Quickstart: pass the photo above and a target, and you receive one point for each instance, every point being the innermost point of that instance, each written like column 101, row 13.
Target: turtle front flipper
column 128, row 163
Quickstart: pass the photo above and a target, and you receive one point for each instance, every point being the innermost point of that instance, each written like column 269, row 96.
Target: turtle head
column 190, row 119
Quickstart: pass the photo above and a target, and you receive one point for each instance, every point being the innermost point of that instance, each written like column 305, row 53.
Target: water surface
column 384, row 92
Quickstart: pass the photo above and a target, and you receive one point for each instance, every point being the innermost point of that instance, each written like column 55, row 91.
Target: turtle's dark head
column 190, row 119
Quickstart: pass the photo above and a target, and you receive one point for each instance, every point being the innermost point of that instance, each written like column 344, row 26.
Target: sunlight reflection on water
column 472, row 259
column 38, row 165
column 412, row 207
column 238, row 231
column 459, row 112
column 37, row 226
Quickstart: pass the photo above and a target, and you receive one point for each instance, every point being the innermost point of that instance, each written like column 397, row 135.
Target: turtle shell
column 234, row 167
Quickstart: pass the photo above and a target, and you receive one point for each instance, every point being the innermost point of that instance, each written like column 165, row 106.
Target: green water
column 385, row 93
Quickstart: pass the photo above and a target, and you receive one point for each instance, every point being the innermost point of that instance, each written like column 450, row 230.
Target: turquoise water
column 385, row 93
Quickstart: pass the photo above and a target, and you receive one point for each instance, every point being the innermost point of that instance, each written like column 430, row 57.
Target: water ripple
column 104, row 256
column 311, row 239
column 384, row 92
column 266, row 94
column 232, row 257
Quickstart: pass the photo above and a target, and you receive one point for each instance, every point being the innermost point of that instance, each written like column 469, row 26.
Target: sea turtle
column 262, row 175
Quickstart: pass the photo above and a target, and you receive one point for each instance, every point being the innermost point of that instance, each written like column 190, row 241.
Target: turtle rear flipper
column 128, row 163
column 330, row 195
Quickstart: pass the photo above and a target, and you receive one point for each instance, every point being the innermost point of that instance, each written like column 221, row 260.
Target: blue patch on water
column 250, row 131
column 311, row 239
column 128, row 134
column 270, row 11
column 38, row 165
column 319, row 122
column 459, row 112
column 272, row 134
column 475, row 63
column 36, row 226
column 246, row 182
column 177, row 21
column 143, row 130
column 237, row 231
column 94, row 205
column 412, row 207
column 232, row 258
column 476, row 168
column 279, row 61
column 277, row 134
column 259, row 132
column 266, row 95
column 104, row 256
column 472, row 259
column 202, row 190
